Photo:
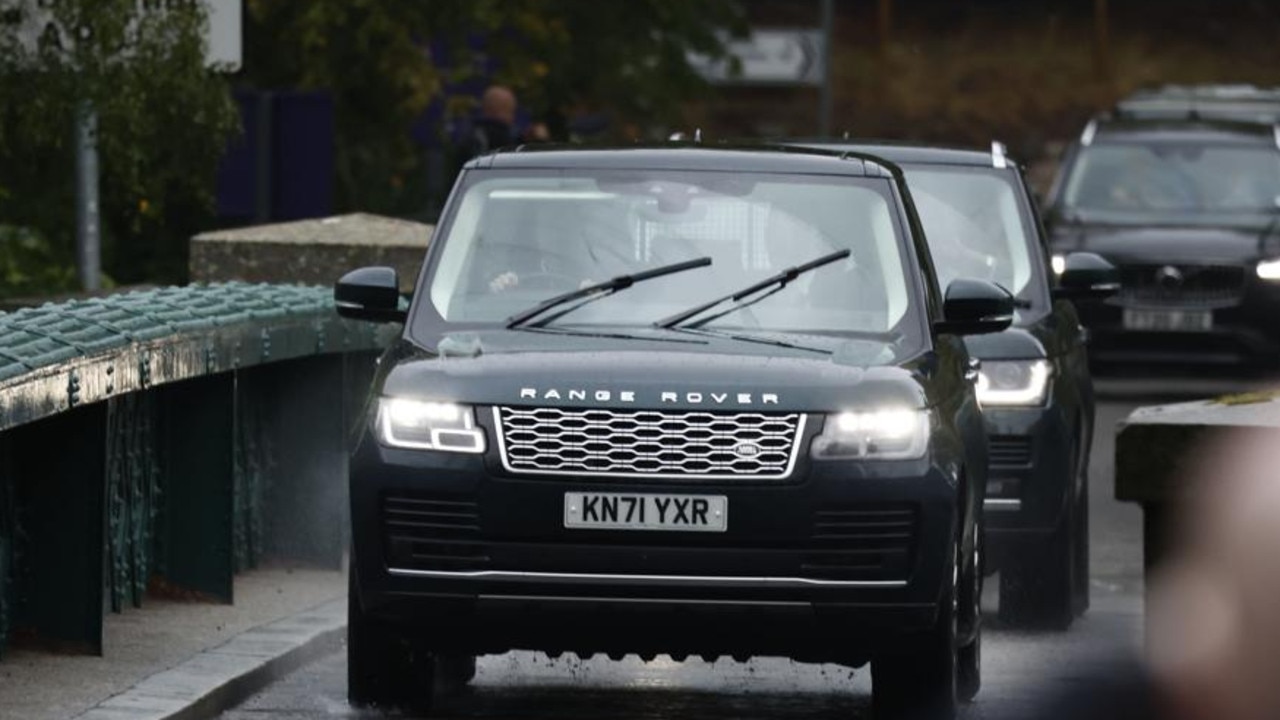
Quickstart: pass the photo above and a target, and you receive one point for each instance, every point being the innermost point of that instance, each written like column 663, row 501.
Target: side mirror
column 1086, row 275
column 975, row 307
column 369, row 293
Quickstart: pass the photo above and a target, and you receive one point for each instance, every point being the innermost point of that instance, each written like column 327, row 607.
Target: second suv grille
column 1009, row 450
column 648, row 443
column 1180, row 285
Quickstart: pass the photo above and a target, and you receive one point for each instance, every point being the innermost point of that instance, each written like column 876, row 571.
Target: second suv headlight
column 1013, row 382
column 886, row 434
column 1269, row 270
column 418, row 424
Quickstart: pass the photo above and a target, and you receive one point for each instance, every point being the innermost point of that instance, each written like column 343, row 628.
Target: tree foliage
column 386, row 61
column 163, row 123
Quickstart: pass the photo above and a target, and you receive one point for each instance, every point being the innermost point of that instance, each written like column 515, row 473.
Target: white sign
column 787, row 57
column 223, row 38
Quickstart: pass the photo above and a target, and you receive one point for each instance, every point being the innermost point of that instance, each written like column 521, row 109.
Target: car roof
column 1187, row 129
column 904, row 153
column 692, row 156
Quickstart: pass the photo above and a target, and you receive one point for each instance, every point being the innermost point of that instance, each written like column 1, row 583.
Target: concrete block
column 311, row 252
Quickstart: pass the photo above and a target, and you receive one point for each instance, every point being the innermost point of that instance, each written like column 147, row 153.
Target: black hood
column 656, row 369
column 1186, row 245
column 1012, row 344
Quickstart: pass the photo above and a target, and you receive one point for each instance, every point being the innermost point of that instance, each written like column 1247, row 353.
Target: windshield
column 976, row 227
column 1174, row 178
column 519, row 238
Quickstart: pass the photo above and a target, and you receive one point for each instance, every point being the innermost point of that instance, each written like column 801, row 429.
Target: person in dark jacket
column 495, row 128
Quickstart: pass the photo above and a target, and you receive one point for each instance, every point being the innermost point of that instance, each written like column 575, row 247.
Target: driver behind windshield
column 554, row 246
column 521, row 239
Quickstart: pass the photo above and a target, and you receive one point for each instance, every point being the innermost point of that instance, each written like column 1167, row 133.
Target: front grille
column 862, row 542
column 1180, row 285
column 427, row 533
column 649, row 443
column 1009, row 450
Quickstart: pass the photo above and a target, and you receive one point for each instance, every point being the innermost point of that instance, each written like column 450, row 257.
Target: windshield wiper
column 612, row 334
column 597, row 291
column 755, row 339
column 780, row 280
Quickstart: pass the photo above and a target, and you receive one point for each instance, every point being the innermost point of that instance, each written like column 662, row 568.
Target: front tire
column 969, row 670
column 454, row 673
column 921, row 682
column 382, row 668
column 1080, row 604
column 1038, row 587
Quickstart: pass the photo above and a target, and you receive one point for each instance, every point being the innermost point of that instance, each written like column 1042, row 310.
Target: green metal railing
column 162, row 441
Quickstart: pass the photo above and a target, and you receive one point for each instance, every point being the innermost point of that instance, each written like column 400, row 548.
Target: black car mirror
column 369, row 293
column 1086, row 275
column 975, row 307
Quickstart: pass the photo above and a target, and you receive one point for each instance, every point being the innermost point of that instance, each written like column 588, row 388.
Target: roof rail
column 682, row 136
column 999, row 155
column 1238, row 103
column 1090, row 131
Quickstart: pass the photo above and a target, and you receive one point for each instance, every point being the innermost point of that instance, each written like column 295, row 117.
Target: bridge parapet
column 164, row 440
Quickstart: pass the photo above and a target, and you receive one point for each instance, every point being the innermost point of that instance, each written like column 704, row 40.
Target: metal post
column 264, row 180
column 1102, row 42
column 824, row 104
column 88, row 230
column 884, row 25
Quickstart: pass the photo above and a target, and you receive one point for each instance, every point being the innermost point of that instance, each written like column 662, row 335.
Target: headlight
column 886, row 434
column 1019, row 382
column 428, row 426
column 1059, row 263
column 1269, row 269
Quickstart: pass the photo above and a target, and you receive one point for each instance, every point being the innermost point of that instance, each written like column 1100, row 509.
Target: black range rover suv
column 1180, row 188
column 673, row 400
column 1034, row 386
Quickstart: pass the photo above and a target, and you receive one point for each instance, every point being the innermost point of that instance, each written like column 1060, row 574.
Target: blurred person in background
column 496, row 127
column 1213, row 611
column 1213, row 631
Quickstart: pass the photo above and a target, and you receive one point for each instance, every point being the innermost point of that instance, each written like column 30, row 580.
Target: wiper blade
column 755, row 339
column 610, row 334
column 780, row 280
column 597, row 291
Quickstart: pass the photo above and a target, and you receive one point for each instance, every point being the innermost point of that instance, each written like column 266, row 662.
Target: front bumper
column 1029, row 477
column 825, row 566
column 1244, row 331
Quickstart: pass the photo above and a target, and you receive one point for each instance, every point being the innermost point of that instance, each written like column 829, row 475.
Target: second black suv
column 676, row 400
column 1180, row 189
column 1034, row 385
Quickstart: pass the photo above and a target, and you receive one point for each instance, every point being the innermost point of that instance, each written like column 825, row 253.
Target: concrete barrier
column 1156, row 445
column 310, row 251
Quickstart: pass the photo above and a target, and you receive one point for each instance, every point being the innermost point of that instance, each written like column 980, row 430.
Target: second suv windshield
column 975, row 226
column 521, row 237
column 1174, row 177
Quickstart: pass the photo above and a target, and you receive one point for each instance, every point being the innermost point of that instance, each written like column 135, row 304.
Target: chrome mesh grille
column 648, row 443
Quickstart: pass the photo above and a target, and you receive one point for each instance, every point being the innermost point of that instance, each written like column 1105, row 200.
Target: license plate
column 634, row 511
column 1169, row 320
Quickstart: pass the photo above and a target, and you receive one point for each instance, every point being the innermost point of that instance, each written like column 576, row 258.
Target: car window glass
column 1174, row 177
column 974, row 226
column 520, row 238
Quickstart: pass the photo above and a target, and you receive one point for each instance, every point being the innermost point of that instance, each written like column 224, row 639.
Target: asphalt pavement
column 1020, row 669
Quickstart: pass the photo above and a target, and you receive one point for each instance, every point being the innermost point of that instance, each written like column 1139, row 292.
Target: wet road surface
column 1018, row 667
